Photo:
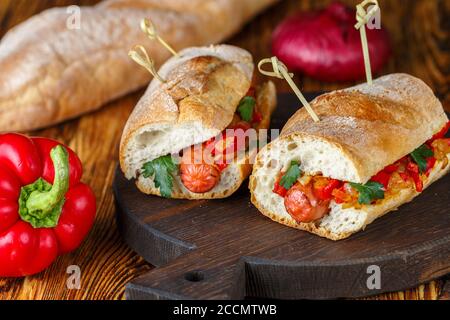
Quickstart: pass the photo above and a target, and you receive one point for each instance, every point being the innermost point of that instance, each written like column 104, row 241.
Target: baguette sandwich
column 181, row 139
column 375, row 148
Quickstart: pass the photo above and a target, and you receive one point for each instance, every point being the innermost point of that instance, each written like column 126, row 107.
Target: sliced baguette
column 196, row 103
column 362, row 130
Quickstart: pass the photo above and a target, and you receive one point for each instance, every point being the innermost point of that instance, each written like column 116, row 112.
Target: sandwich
column 375, row 148
column 181, row 140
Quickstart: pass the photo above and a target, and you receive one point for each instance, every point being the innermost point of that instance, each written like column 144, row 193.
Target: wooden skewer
column 362, row 18
column 280, row 71
column 140, row 56
column 149, row 29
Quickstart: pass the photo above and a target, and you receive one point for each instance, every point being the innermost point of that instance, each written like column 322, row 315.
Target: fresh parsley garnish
column 289, row 178
column 420, row 156
column 369, row 192
column 161, row 169
column 246, row 107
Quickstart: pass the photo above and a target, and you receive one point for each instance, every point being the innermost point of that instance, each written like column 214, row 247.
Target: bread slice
column 196, row 103
column 362, row 130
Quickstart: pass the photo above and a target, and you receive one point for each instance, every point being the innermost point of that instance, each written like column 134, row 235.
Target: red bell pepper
column 340, row 195
column 404, row 175
column 382, row 177
column 279, row 189
column 224, row 148
column 257, row 117
column 251, row 92
column 391, row 168
column 413, row 171
column 227, row 142
column 45, row 210
column 323, row 190
column 385, row 175
column 431, row 161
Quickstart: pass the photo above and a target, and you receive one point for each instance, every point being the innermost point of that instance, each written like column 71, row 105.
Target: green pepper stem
column 44, row 202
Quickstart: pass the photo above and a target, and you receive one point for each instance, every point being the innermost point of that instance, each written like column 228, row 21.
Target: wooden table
column 420, row 33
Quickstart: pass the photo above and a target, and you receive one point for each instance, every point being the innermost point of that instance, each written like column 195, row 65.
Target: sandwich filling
column 200, row 166
column 307, row 198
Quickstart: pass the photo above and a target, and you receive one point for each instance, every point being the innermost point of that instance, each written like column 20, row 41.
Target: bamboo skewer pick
column 280, row 71
column 144, row 60
column 363, row 17
column 149, row 29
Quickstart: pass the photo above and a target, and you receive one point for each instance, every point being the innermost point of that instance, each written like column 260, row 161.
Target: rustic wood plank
column 420, row 33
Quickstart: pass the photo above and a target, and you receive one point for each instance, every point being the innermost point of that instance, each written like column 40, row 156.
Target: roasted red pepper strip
column 324, row 192
column 431, row 161
column 382, row 177
column 257, row 117
column 278, row 189
column 405, row 176
column 228, row 143
column 413, row 170
column 45, row 210
column 340, row 195
column 391, row 168
column 251, row 92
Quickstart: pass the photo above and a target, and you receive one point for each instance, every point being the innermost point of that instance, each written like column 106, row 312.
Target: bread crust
column 51, row 73
column 242, row 167
column 376, row 125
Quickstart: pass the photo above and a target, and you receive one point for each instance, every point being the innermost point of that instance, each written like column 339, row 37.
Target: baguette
column 196, row 103
column 51, row 73
column 362, row 130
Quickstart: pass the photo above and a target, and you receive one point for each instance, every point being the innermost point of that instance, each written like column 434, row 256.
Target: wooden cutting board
column 225, row 249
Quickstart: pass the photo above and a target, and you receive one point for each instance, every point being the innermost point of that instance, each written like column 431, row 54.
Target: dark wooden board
column 225, row 249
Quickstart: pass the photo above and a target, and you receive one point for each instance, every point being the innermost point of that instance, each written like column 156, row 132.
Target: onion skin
column 326, row 46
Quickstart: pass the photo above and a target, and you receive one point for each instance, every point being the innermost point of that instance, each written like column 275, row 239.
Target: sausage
column 303, row 206
column 198, row 176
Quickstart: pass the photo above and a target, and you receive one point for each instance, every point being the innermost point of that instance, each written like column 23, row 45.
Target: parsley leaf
column 161, row 169
column 246, row 107
column 420, row 156
column 289, row 178
column 369, row 192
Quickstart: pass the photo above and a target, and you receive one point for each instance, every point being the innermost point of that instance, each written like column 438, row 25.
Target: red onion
column 326, row 46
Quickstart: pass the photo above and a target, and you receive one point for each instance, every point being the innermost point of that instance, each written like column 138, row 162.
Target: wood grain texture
column 420, row 31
